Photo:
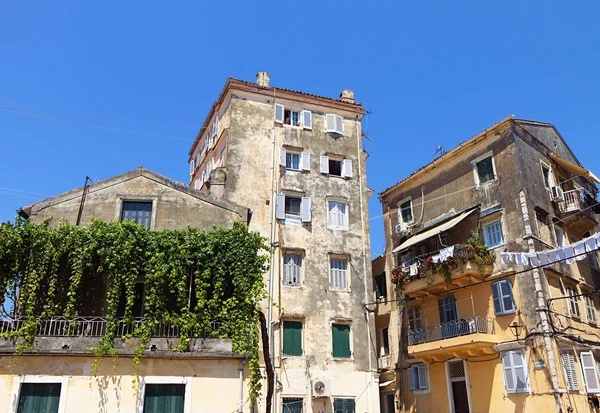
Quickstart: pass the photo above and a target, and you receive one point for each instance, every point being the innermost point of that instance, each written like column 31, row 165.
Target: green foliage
column 191, row 278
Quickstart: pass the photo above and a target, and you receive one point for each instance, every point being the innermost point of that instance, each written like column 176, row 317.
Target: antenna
column 438, row 149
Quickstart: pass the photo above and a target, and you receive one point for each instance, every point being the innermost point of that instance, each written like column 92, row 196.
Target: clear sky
column 431, row 73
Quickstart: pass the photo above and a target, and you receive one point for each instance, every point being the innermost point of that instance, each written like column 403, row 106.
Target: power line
column 20, row 195
column 101, row 118
column 25, row 192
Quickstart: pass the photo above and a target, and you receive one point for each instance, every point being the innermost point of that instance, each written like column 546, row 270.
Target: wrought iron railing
column 460, row 327
column 573, row 201
column 95, row 327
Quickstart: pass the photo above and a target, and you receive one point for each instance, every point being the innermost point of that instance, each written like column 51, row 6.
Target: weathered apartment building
column 56, row 375
column 297, row 161
column 464, row 331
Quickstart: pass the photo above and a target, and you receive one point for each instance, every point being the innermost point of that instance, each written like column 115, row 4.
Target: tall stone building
column 297, row 161
column 478, row 332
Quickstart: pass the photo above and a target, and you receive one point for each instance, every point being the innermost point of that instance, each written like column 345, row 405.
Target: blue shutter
column 496, row 298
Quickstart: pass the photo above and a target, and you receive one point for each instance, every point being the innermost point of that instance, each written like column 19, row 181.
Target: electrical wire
column 25, row 192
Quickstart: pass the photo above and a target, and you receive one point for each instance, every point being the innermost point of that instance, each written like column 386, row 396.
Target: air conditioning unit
column 383, row 363
column 557, row 194
column 321, row 388
column 400, row 228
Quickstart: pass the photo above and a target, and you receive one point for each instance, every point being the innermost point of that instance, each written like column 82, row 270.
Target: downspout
column 365, row 281
column 541, row 303
column 241, row 401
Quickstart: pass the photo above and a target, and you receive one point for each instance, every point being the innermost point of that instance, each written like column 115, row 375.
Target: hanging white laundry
column 569, row 254
column 446, row 253
column 511, row 257
column 560, row 252
column 543, row 257
column 554, row 256
column 504, row 258
column 414, row 269
column 522, row 258
column 579, row 248
column 436, row 258
column 596, row 236
column 533, row 259
column 590, row 244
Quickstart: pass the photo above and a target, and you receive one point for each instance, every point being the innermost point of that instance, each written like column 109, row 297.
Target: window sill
column 285, row 125
column 339, row 290
column 298, row 287
column 338, row 228
column 292, row 221
column 479, row 186
column 496, row 247
column 421, row 392
column 291, row 356
column 343, row 358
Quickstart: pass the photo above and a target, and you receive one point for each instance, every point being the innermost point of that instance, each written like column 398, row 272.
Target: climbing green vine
column 200, row 283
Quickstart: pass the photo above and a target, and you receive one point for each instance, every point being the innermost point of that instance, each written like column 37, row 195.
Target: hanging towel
column 590, row 244
column 596, row 236
column 414, row 269
column 579, row 250
column 560, row 252
column 533, row 258
column 504, row 258
column 446, row 253
column 569, row 254
column 543, row 258
column 554, row 256
column 522, row 258
column 436, row 258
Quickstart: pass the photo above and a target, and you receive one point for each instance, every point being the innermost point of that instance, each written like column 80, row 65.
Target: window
column 546, row 175
column 337, row 214
column 484, row 170
column 573, row 302
column 294, row 160
column 293, row 117
column 560, row 237
column 493, row 235
column 340, row 336
column 164, row 398
column 140, row 212
column 590, row 375
column 192, row 167
column 292, row 404
column 385, row 341
column 516, row 378
column 292, row 269
column 344, row 406
column 504, row 302
column 418, row 377
column 292, row 338
column 334, row 124
column 414, row 318
column 336, row 166
column 293, row 208
column 406, row 212
column 590, row 309
column 568, row 361
column 380, row 286
column 39, row 397
column 338, row 273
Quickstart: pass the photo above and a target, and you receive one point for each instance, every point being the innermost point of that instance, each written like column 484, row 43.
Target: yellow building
column 479, row 334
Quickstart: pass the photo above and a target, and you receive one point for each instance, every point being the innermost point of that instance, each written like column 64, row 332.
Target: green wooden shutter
column 39, row 398
column 344, row 406
column 292, row 338
column 341, row 340
column 164, row 398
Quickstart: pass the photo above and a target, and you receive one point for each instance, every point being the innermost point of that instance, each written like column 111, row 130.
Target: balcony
column 576, row 212
column 384, row 362
column 466, row 336
column 434, row 282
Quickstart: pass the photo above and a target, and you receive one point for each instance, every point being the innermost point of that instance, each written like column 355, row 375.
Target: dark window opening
column 39, row 397
column 380, row 286
column 291, row 117
column 292, row 206
column 485, row 170
column 546, row 173
column 406, row 211
column 385, row 341
column 164, row 398
column 138, row 305
column 335, row 167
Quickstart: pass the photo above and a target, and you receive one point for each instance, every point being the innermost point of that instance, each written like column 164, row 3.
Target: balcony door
column 449, row 324
column 459, row 396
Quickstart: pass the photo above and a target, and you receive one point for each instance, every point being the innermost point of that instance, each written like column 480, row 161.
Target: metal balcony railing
column 573, row 202
column 94, row 327
column 460, row 327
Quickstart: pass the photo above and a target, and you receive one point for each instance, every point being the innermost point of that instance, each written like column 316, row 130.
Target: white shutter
column 305, row 210
column 324, row 164
column 423, row 379
column 280, row 206
column 569, row 368
column 347, row 168
column 306, row 119
column 411, row 378
column 588, row 366
column 192, row 168
column 282, row 154
column 197, row 184
column 215, row 125
column 520, row 371
column 330, row 123
column 339, row 125
column 509, row 380
column 278, row 113
column 305, row 161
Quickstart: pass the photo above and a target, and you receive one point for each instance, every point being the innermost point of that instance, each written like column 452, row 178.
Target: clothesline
column 569, row 253
column 442, row 256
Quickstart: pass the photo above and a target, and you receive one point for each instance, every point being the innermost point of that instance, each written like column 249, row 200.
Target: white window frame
column 573, row 302
column 293, row 153
column 39, row 379
column 345, row 217
column 337, row 121
column 571, row 385
column 544, row 165
column 293, row 218
column 512, row 370
column 474, row 163
column 405, row 200
column 333, row 257
column 590, row 309
column 590, row 388
column 215, row 125
column 305, row 209
column 143, row 380
column 417, row 388
column 486, row 225
column 300, row 276
column 449, row 382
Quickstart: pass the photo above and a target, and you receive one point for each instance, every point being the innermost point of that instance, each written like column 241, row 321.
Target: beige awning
column 415, row 239
column 576, row 169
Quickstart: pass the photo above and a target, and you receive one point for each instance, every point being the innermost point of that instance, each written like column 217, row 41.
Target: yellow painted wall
column 214, row 383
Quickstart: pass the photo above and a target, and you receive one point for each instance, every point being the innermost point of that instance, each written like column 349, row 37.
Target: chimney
column 347, row 96
column 262, row 79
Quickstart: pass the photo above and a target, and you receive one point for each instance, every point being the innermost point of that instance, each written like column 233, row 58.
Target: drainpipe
column 541, row 303
column 365, row 281
column 241, row 401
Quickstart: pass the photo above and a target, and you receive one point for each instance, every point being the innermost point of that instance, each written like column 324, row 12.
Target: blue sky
column 431, row 73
